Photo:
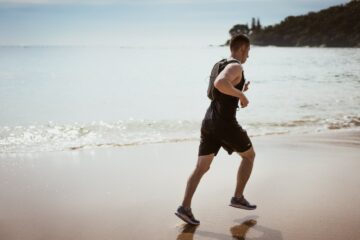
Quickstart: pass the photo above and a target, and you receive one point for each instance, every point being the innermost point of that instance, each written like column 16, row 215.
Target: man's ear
column 243, row 48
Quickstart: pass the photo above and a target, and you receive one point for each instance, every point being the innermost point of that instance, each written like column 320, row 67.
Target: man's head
column 239, row 47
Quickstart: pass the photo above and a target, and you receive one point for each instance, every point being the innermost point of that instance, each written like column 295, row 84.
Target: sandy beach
column 305, row 186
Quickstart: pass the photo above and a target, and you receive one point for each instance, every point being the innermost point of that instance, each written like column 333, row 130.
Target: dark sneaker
column 186, row 215
column 241, row 203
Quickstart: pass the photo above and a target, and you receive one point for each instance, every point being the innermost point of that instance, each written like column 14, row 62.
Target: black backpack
column 217, row 68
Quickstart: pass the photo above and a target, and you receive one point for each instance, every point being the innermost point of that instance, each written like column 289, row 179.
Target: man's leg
column 202, row 167
column 244, row 171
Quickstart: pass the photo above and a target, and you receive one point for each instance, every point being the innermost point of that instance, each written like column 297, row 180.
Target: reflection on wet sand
column 238, row 231
column 187, row 232
column 265, row 233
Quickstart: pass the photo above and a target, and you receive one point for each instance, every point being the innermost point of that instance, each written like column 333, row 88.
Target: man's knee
column 250, row 158
column 248, row 155
column 252, row 155
column 204, row 163
column 202, row 169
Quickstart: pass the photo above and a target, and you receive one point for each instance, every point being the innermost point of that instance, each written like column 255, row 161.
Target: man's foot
column 241, row 202
column 186, row 215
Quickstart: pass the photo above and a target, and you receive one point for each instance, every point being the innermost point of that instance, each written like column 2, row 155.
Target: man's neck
column 233, row 57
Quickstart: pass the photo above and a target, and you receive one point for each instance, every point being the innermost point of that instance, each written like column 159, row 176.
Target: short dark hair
column 237, row 41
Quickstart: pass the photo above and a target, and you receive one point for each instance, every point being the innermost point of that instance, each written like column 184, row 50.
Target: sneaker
column 186, row 215
column 241, row 203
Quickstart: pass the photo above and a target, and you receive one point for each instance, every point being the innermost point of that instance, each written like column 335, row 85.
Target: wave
column 75, row 136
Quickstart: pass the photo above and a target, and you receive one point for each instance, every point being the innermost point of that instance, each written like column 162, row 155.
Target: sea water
column 63, row 98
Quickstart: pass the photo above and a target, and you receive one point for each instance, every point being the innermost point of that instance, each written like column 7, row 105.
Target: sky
column 139, row 22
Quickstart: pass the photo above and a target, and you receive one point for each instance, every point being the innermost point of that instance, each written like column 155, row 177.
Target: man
column 220, row 129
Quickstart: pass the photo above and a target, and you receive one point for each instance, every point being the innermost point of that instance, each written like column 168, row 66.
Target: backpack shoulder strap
column 226, row 62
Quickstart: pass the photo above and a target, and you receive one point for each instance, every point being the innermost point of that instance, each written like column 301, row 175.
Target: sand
column 305, row 186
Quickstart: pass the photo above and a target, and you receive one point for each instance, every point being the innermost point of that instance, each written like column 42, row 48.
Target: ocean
column 68, row 98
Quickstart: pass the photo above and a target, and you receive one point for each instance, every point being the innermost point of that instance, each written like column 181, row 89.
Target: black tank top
column 224, row 106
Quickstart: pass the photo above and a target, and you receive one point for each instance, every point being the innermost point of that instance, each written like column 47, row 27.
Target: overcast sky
column 139, row 22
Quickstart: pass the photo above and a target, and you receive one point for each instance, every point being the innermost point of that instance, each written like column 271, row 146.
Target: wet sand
column 305, row 186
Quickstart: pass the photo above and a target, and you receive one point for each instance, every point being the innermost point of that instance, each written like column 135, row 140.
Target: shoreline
column 89, row 147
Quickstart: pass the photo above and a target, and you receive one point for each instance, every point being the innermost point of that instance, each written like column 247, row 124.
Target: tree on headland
column 258, row 24
column 337, row 26
column 239, row 29
column 236, row 30
column 253, row 24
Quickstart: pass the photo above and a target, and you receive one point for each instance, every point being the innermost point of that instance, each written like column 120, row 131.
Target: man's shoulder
column 233, row 62
column 234, row 67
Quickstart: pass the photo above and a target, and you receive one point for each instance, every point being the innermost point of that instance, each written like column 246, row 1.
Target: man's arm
column 224, row 82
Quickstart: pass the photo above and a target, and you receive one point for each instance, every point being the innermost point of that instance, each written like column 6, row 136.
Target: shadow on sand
column 237, row 231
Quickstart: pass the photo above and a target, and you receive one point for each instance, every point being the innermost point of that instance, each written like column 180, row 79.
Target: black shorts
column 229, row 135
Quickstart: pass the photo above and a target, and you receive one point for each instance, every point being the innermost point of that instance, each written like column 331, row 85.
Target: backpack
column 217, row 68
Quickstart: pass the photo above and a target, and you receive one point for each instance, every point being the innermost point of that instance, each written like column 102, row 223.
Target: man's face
column 244, row 53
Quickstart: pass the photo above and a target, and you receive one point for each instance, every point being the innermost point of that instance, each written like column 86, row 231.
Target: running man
column 220, row 129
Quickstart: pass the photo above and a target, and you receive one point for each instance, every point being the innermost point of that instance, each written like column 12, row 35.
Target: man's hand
column 243, row 101
column 246, row 86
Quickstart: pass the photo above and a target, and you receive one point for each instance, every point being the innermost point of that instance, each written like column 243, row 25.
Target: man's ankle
column 186, row 207
column 238, row 196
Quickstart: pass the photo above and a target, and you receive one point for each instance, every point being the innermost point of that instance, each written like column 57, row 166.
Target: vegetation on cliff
column 337, row 26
